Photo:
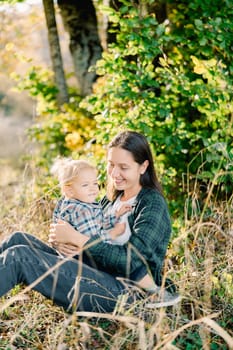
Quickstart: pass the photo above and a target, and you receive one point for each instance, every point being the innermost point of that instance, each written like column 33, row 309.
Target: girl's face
column 84, row 187
column 124, row 171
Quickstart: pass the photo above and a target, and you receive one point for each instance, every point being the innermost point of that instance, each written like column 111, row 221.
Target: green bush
column 173, row 82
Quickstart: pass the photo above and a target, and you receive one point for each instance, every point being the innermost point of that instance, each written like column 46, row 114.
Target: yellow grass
column 199, row 260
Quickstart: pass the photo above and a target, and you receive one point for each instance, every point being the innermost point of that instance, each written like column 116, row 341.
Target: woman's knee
column 17, row 235
column 18, row 252
column 14, row 239
column 19, row 238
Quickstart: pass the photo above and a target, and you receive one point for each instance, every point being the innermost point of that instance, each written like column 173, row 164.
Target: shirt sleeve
column 108, row 222
column 109, row 219
column 151, row 228
column 81, row 218
column 124, row 237
column 57, row 209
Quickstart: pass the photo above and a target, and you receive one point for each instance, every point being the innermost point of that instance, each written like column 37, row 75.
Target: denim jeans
column 70, row 283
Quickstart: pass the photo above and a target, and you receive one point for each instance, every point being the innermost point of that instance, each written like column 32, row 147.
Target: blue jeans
column 70, row 283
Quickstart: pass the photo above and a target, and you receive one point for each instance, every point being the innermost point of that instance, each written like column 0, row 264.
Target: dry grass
column 200, row 260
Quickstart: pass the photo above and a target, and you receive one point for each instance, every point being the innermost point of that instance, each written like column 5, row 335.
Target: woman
column 96, row 277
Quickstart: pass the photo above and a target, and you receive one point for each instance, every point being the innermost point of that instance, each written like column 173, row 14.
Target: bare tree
column 55, row 51
column 80, row 21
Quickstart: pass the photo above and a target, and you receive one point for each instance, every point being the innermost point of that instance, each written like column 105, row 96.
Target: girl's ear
column 144, row 166
column 67, row 190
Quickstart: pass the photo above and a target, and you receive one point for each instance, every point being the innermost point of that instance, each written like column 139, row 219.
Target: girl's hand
column 125, row 208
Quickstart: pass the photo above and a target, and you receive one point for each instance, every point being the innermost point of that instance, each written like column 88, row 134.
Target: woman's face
column 124, row 171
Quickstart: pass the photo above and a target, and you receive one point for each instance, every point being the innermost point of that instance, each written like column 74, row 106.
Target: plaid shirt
column 87, row 218
column 145, row 251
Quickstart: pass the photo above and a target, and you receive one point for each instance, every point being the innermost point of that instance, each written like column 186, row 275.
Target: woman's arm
column 63, row 233
column 77, row 223
column 147, row 246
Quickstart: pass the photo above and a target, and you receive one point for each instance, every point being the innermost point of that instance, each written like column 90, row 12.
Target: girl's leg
column 68, row 282
column 20, row 238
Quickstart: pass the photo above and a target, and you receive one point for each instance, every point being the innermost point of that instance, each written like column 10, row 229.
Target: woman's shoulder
column 149, row 193
column 149, row 196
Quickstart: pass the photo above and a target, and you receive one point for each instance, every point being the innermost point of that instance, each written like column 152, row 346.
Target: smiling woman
column 100, row 272
column 125, row 172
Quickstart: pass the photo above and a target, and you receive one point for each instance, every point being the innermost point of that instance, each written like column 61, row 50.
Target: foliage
column 11, row 2
column 173, row 82
column 58, row 131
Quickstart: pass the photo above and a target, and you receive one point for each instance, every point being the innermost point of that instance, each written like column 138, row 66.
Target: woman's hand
column 67, row 249
column 63, row 232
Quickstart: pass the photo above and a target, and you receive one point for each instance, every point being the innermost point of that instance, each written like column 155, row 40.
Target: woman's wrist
column 63, row 232
column 76, row 238
column 81, row 240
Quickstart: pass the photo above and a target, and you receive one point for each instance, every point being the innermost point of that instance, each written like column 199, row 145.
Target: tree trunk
column 55, row 51
column 79, row 19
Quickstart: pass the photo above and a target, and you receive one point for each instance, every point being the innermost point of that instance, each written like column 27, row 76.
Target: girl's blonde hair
column 66, row 169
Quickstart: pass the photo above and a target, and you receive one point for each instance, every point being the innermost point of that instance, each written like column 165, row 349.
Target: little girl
column 78, row 205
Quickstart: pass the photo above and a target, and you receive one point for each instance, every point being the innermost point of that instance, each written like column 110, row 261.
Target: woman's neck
column 126, row 195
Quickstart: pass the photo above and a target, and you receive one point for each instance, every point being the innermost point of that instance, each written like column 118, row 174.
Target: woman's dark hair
column 138, row 146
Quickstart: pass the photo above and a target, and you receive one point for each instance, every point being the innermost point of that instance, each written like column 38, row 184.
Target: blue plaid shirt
column 87, row 218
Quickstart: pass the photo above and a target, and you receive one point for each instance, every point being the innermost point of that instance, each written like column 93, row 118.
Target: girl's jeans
column 68, row 282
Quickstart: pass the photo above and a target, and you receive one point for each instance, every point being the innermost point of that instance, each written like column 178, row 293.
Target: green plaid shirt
column 145, row 251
